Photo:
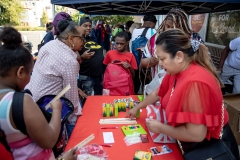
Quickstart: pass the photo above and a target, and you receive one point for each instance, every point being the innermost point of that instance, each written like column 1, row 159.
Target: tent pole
column 141, row 7
column 219, row 6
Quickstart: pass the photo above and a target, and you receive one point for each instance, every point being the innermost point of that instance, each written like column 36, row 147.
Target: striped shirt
column 233, row 59
column 55, row 68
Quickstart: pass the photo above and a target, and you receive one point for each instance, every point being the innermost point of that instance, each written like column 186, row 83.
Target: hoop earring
column 72, row 46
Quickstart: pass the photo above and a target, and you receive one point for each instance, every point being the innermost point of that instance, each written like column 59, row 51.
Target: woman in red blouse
column 190, row 93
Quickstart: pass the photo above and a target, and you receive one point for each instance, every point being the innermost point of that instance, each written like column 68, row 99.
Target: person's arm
column 151, row 99
column 132, row 71
column 149, row 62
column 82, row 94
column 193, row 103
column 36, row 123
column 107, row 59
column 223, row 57
column 128, row 66
column 188, row 132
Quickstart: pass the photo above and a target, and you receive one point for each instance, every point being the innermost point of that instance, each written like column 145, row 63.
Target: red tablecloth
column 88, row 124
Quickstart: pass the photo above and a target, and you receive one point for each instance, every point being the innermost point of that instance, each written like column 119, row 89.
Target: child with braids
column 15, row 72
column 176, row 18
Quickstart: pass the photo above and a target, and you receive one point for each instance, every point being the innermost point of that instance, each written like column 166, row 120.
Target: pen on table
column 106, row 145
column 109, row 127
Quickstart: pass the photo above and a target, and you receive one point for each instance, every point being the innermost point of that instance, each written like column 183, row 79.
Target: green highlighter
column 140, row 97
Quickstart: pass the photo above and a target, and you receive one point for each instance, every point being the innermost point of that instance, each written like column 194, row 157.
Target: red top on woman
column 197, row 99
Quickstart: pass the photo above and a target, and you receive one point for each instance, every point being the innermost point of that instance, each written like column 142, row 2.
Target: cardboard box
column 232, row 102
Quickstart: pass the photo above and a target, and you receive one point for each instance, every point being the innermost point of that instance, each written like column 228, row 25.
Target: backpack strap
column 43, row 38
column 17, row 112
column 5, row 90
column 144, row 32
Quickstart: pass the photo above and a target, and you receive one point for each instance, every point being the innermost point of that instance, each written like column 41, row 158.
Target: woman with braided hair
column 176, row 18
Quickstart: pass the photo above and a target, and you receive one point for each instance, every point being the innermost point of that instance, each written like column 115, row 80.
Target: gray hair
column 66, row 28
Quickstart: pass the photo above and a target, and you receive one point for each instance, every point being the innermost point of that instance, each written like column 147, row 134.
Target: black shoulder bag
column 41, row 43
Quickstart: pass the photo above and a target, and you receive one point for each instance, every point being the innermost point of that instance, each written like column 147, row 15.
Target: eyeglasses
column 81, row 37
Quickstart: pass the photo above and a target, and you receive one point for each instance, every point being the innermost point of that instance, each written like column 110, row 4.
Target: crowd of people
column 79, row 55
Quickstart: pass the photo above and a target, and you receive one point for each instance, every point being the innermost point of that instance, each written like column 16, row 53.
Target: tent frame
column 131, row 7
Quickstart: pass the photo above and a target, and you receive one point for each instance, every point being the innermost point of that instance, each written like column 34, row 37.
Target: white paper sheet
column 108, row 137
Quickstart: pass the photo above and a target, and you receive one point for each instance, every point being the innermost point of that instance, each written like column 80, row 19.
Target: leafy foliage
column 11, row 12
column 60, row 9
column 113, row 19
column 44, row 18
column 27, row 28
column 76, row 16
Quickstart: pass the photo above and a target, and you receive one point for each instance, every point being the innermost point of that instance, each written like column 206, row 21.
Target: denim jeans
column 69, row 128
column 90, row 84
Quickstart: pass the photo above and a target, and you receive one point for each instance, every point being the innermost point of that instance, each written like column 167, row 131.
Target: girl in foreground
column 15, row 71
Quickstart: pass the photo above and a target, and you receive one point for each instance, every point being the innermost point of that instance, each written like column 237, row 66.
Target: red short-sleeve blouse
column 197, row 99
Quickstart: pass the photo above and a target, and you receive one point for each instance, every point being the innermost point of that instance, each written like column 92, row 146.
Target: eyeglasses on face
column 81, row 37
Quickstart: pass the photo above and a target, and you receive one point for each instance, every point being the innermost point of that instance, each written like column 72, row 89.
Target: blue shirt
column 233, row 59
column 48, row 37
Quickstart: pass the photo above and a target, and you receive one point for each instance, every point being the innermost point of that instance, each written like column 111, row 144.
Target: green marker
column 107, row 110
column 140, row 97
column 116, row 110
column 138, row 114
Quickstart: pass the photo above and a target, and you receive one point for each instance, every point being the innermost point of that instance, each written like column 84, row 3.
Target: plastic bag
column 155, row 83
column 132, row 139
column 157, row 112
column 92, row 152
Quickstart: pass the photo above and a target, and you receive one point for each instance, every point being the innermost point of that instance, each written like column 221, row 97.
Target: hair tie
column 195, row 44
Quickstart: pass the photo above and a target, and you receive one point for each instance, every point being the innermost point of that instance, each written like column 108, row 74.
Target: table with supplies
column 88, row 124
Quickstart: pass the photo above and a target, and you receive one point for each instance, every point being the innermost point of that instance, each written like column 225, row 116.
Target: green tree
column 60, row 9
column 44, row 18
column 11, row 12
column 75, row 16
column 113, row 19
